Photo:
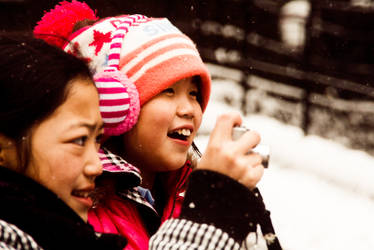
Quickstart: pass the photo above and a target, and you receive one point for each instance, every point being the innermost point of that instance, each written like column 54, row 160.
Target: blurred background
column 305, row 63
column 301, row 72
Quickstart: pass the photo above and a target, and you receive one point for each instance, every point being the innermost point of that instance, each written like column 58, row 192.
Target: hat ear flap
column 119, row 98
column 119, row 101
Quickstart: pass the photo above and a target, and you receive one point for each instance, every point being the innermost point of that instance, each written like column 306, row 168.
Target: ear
column 2, row 151
column 2, row 161
column 8, row 152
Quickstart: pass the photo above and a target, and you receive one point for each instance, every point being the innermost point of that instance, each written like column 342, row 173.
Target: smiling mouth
column 81, row 194
column 180, row 134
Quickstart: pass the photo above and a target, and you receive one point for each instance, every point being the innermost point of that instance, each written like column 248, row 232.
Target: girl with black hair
column 49, row 136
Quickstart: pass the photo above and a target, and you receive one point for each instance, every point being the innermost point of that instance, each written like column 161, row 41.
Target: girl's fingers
column 247, row 141
column 246, row 169
column 252, row 176
column 230, row 157
column 223, row 128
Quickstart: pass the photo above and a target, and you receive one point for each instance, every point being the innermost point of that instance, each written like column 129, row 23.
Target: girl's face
column 166, row 128
column 64, row 148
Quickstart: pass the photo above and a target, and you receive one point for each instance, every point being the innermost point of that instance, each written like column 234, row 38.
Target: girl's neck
column 148, row 179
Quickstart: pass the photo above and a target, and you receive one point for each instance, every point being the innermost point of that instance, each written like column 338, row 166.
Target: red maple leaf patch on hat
column 100, row 39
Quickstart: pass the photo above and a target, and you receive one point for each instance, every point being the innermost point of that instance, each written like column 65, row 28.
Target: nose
column 93, row 166
column 185, row 107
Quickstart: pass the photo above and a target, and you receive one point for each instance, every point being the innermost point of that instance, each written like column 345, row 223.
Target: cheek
column 63, row 177
column 53, row 169
column 156, row 117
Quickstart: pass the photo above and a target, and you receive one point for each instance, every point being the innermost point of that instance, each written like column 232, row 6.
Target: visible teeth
column 185, row 132
column 81, row 194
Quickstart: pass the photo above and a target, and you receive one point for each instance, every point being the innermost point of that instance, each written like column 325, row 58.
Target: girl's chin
column 83, row 215
column 175, row 165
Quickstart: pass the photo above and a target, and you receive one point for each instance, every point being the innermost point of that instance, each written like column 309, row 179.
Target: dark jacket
column 39, row 213
column 217, row 213
column 230, row 209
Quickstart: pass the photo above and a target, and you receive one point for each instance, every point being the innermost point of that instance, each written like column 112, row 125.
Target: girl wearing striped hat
column 153, row 90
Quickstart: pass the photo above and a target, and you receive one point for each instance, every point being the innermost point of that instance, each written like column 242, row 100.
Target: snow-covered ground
column 320, row 194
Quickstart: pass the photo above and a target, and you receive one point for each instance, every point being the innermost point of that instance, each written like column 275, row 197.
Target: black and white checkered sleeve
column 185, row 234
column 11, row 237
column 217, row 213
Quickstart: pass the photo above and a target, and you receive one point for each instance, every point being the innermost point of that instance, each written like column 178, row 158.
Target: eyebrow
column 91, row 127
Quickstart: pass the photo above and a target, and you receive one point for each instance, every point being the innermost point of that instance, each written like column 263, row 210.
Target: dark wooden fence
column 328, row 78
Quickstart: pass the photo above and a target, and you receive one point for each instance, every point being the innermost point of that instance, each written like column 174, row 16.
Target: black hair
column 83, row 23
column 34, row 81
column 197, row 80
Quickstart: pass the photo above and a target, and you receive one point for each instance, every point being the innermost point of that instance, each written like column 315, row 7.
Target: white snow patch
column 320, row 193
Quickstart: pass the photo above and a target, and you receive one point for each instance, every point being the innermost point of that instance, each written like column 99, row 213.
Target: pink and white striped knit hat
column 119, row 99
column 154, row 54
column 129, row 50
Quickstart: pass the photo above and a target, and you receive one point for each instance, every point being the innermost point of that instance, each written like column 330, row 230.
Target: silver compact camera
column 261, row 149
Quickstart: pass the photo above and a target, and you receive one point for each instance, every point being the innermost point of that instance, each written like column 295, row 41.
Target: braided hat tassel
column 119, row 98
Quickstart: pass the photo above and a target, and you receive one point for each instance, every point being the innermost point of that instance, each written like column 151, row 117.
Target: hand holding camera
column 234, row 158
column 260, row 149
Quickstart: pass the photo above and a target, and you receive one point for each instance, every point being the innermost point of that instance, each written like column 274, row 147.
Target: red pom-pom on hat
column 56, row 25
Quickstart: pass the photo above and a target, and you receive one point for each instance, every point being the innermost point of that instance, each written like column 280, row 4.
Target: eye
column 81, row 141
column 168, row 91
column 99, row 138
column 98, row 141
column 194, row 94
